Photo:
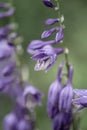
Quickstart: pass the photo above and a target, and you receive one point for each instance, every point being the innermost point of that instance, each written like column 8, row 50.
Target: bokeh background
column 30, row 15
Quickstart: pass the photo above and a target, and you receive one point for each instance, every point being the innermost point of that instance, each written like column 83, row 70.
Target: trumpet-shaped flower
column 46, row 57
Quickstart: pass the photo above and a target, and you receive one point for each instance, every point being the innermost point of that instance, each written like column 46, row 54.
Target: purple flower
column 80, row 92
column 51, row 21
column 81, row 100
column 38, row 44
column 24, row 124
column 66, row 95
column 53, row 98
column 53, row 95
column 8, row 13
column 48, row 3
column 9, row 74
column 4, row 5
column 48, row 33
column 9, row 69
column 17, row 119
column 4, row 31
column 59, row 35
column 27, row 99
column 10, row 122
column 46, row 57
column 31, row 94
column 62, row 121
column 5, row 49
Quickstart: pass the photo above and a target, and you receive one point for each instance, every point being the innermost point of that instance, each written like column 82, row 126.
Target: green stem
column 66, row 49
column 59, row 14
column 66, row 53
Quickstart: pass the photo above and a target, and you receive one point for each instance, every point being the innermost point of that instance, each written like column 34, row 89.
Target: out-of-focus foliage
column 30, row 15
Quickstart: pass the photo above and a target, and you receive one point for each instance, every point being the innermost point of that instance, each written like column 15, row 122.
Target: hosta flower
column 66, row 95
column 62, row 121
column 53, row 95
column 59, row 105
column 46, row 57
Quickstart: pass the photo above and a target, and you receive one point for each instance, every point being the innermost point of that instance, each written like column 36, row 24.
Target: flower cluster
column 60, row 97
column 42, row 50
column 25, row 97
column 22, row 117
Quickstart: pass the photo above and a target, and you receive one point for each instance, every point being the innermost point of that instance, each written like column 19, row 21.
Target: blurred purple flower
column 4, row 31
column 51, row 21
column 9, row 69
column 4, row 5
column 46, row 57
column 9, row 74
column 62, row 121
column 33, row 94
column 8, row 13
column 5, row 49
column 17, row 119
column 25, row 125
column 10, row 122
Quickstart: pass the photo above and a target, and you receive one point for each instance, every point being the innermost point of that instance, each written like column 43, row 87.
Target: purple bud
column 53, row 98
column 66, row 95
column 51, row 21
column 59, row 35
column 48, row 3
column 62, row 121
column 38, row 44
column 48, row 33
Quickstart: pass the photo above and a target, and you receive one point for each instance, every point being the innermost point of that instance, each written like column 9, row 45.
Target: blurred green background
column 30, row 15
